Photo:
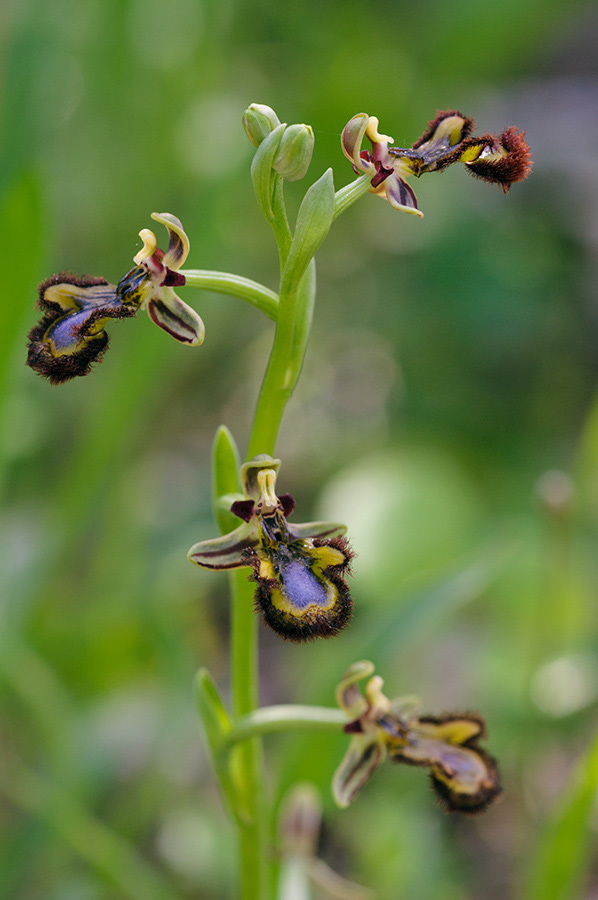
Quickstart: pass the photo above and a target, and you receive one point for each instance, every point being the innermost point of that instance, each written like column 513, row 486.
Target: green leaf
column 228, row 761
column 563, row 855
column 226, row 486
column 217, row 726
column 262, row 173
column 214, row 714
column 313, row 224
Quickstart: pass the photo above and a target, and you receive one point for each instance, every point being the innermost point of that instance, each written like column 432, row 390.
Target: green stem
column 293, row 322
column 279, row 221
column 248, row 757
column 270, row 719
column 235, row 285
column 285, row 363
column 347, row 195
column 244, row 674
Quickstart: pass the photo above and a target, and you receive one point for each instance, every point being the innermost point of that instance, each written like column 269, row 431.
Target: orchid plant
column 295, row 575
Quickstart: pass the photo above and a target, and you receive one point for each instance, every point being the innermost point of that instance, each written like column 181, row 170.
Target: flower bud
column 300, row 820
column 294, row 153
column 258, row 122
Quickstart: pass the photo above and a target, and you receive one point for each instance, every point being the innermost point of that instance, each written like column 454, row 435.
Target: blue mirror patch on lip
column 301, row 587
column 65, row 334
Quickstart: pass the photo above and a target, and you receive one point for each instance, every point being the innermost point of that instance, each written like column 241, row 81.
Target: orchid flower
column 464, row 776
column 502, row 159
column 299, row 569
column 71, row 335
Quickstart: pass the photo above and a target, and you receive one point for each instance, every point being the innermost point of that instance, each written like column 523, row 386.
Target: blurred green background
column 446, row 411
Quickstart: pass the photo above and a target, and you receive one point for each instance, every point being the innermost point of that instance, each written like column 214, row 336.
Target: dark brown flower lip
column 502, row 159
column 513, row 166
column 473, row 717
column 64, row 278
column 470, row 804
column 80, row 346
column 468, row 126
column 313, row 623
column 58, row 369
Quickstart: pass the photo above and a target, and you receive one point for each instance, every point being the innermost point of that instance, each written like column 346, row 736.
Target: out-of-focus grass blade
column 21, row 242
column 562, row 857
column 20, row 239
column 428, row 609
column 111, row 423
column 110, row 855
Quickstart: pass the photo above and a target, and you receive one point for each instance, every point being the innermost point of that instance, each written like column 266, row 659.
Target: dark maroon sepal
column 353, row 727
column 174, row 279
column 381, row 175
column 287, row 503
column 243, row 509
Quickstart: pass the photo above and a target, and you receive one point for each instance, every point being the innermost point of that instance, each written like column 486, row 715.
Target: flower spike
column 463, row 775
column 71, row 335
column 299, row 569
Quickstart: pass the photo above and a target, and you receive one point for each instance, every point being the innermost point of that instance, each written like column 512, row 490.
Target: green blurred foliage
column 446, row 411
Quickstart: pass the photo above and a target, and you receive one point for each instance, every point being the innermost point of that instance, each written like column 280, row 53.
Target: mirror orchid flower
column 299, row 569
column 464, row 776
column 502, row 159
column 71, row 335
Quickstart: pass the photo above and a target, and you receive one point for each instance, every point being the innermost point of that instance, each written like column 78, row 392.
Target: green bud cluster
column 295, row 142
